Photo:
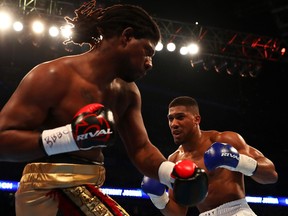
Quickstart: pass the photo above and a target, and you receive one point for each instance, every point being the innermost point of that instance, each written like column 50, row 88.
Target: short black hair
column 185, row 101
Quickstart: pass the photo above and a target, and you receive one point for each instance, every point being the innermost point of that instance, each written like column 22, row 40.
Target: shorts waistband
column 227, row 208
column 61, row 175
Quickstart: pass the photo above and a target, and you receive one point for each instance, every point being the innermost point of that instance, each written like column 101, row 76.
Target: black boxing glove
column 190, row 185
column 91, row 127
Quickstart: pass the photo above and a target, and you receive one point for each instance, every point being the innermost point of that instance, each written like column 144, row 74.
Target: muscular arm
column 22, row 116
column 145, row 156
column 265, row 173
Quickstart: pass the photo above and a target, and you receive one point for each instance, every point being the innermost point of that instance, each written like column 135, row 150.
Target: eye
column 170, row 118
column 180, row 117
column 149, row 51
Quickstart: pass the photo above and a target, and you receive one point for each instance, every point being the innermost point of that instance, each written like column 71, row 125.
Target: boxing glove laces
column 91, row 127
column 223, row 155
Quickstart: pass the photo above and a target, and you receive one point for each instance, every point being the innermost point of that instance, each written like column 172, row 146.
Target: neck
column 96, row 67
column 194, row 143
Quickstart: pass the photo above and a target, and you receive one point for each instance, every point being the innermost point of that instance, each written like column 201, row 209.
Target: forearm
column 148, row 160
column 265, row 173
column 20, row 146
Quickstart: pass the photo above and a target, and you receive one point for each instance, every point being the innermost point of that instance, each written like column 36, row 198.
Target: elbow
column 268, row 178
column 266, row 174
column 274, row 178
column 271, row 179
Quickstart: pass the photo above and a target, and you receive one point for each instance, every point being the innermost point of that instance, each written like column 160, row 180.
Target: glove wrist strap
column 159, row 202
column 58, row 140
column 164, row 173
column 246, row 165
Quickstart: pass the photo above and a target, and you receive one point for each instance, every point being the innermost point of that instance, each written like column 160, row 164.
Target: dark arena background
column 239, row 78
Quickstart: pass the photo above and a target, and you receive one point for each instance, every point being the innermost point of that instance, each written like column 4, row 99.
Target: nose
column 148, row 63
column 174, row 123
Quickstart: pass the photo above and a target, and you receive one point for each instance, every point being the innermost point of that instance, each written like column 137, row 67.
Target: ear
column 127, row 34
column 198, row 119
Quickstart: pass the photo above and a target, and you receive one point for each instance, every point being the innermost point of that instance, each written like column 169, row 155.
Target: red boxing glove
column 91, row 127
column 190, row 185
column 183, row 169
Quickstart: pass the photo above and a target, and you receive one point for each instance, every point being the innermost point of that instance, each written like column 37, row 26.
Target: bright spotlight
column 193, row 48
column 53, row 31
column 283, row 50
column 5, row 20
column 184, row 50
column 17, row 26
column 171, row 47
column 38, row 27
column 66, row 31
column 159, row 46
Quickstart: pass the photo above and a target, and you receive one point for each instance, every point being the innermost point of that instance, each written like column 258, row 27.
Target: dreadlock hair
column 92, row 23
column 185, row 101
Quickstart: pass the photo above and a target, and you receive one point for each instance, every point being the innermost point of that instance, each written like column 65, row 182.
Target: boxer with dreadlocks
column 65, row 111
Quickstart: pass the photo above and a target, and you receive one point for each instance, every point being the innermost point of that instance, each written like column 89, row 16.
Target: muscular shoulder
column 126, row 97
column 126, row 87
column 55, row 70
column 127, row 92
column 231, row 137
column 46, row 80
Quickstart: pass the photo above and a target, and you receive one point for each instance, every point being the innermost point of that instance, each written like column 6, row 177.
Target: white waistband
column 229, row 208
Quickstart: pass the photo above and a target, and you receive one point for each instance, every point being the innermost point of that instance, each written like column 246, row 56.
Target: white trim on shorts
column 235, row 208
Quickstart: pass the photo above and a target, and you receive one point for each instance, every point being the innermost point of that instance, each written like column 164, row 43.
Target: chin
column 177, row 141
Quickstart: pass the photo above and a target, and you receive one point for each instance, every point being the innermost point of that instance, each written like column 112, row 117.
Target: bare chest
column 197, row 158
column 77, row 96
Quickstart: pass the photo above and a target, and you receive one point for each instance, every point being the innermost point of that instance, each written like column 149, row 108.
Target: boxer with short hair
column 66, row 110
column 225, row 157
